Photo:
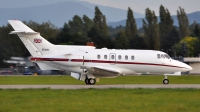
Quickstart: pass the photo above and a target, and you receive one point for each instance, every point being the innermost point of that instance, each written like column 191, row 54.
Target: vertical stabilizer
column 36, row 44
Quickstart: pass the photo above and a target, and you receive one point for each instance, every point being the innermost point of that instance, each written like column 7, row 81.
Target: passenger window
column 126, row 57
column 158, row 56
column 105, row 57
column 98, row 56
column 119, row 57
column 132, row 57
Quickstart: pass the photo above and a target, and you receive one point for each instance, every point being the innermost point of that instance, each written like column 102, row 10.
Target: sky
column 141, row 5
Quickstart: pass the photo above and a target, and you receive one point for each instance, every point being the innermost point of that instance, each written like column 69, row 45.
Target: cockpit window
column 167, row 56
column 162, row 56
column 158, row 56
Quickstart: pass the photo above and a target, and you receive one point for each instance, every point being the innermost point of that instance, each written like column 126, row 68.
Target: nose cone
column 187, row 67
column 181, row 66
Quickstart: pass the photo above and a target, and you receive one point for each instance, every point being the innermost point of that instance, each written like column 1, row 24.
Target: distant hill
column 195, row 16
column 28, row 3
column 58, row 12
column 111, row 13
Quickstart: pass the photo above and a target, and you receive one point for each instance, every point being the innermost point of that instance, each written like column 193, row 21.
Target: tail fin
column 36, row 44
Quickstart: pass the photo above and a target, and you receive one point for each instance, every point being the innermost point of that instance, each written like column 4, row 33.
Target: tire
column 92, row 81
column 165, row 81
column 86, row 81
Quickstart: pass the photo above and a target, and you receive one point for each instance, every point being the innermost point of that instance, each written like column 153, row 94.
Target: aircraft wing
column 99, row 71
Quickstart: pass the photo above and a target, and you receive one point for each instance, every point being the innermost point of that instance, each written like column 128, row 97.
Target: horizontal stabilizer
column 23, row 32
column 19, row 26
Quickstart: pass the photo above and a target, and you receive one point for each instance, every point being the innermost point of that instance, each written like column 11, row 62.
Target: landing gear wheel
column 86, row 81
column 165, row 81
column 92, row 81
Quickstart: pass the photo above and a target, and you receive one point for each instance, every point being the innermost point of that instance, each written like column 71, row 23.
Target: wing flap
column 99, row 71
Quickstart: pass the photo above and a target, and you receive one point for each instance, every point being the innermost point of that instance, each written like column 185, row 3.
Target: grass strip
column 100, row 100
column 154, row 79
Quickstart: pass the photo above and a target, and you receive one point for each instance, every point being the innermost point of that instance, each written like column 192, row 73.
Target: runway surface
column 153, row 86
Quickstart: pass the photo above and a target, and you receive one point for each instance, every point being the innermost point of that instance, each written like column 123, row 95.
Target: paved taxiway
column 101, row 86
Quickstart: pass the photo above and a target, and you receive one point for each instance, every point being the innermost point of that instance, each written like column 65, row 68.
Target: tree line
column 157, row 33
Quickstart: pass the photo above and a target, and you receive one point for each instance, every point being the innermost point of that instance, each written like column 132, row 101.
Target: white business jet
column 89, row 64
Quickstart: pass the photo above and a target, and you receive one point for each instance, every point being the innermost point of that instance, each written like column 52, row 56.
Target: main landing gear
column 165, row 80
column 90, row 81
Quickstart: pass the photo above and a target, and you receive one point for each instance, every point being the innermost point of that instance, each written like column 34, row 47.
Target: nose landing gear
column 165, row 80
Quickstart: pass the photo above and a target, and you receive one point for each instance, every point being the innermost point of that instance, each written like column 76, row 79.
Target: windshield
column 163, row 56
column 167, row 56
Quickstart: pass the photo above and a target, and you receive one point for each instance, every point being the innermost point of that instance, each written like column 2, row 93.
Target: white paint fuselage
column 145, row 61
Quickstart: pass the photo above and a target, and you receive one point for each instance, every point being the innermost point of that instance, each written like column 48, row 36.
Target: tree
column 131, row 27
column 183, row 22
column 46, row 29
column 76, row 25
column 121, row 41
column 100, row 22
column 196, row 30
column 99, row 32
column 172, row 39
column 192, row 45
column 151, row 28
column 87, row 23
column 183, row 49
column 138, row 42
column 64, row 37
column 188, row 46
column 113, row 31
column 168, row 33
column 75, row 32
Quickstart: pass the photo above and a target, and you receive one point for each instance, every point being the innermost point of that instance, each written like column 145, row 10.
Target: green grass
column 100, row 100
column 119, row 80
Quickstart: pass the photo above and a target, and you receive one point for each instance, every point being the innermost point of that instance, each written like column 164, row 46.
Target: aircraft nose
column 188, row 67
